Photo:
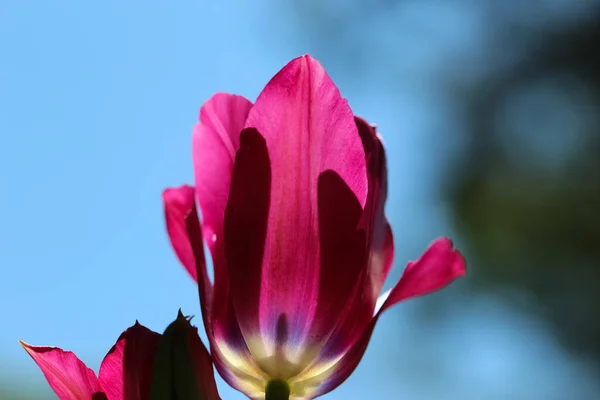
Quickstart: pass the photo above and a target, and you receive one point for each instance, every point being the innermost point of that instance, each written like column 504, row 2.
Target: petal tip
column 177, row 193
column 458, row 263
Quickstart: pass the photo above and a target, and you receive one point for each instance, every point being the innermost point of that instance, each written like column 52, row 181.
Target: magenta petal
column 380, row 238
column 380, row 251
column 438, row 266
column 126, row 371
column 308, row 129
column 218, row 314
column 343, row 256
column 66, row 374
column 245, row 226
column 348, row 363
column 215, row 140
column 183, row 227
column 388, row 252
column 179, row 203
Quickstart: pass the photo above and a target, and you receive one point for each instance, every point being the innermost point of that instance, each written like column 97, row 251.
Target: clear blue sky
column 97, row 102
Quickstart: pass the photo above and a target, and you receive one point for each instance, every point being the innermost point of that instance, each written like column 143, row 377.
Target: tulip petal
column 126, row 371
column 343, row 255
column 215, row 140
column 338, row 371
column 308, row 129
column 218, row 313
column 66, row 374
column 381, row 251
column 183, row 227
column 246, row 218
column 374, row 221
column 436, row 268
column 386, row 255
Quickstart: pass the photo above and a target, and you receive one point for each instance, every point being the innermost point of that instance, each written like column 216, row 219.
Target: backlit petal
column 438, row 266
column 218, row 314
column 126, row 371
column 380, row 247
column 343, row 256
column 184, row 232
column 341, row 368
column 380, row 238
column 215, row 140
column 246, row 219
column 308, row 129
column 66, row 374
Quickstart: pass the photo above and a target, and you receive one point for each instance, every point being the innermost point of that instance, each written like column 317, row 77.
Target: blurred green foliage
column 526, row 192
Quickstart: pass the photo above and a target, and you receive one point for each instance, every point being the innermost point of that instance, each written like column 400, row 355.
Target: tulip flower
column 129, row 370
column 291, row 191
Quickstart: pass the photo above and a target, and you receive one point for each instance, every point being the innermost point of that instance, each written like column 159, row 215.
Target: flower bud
column 182, row 366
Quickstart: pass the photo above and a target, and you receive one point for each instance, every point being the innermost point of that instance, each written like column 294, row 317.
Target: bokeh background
column 491, row 114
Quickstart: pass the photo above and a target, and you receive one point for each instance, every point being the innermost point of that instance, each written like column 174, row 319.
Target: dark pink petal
column 184, row 231
column 340, row 371
column 215, row 140
column 380, row 247
column 388, row 252
column 383, row 259
column 343, row 255
column 126, row 371
column 308, row 129
column 354, row 322
column 374, row 221
column 66, row 374
column 438, row 266
column 218, row 314
column 246, row 218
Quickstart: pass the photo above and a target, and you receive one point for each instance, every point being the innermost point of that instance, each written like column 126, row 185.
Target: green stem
column 277, row 390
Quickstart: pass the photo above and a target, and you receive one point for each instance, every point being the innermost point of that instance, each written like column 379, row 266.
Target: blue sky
column 97, row 102
column 96, row 109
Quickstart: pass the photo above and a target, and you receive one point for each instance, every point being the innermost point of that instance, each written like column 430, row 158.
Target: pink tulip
column 292, row 191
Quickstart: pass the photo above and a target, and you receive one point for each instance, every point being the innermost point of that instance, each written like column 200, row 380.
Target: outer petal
column 308, row 129
column 246, row 220
column 66, row 374
column 437, row 267
column 341, row 368
column 380, row 248
column 126, row 371
column 218, row 315
column 181, row 216
column 215, row 140
column 380, row 238
column 343, row 256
